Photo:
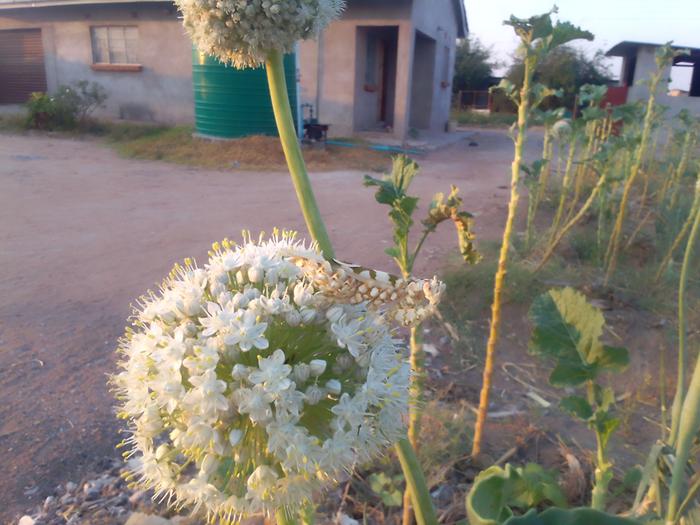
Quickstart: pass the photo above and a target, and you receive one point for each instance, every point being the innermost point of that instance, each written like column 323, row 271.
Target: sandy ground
column 84, row 232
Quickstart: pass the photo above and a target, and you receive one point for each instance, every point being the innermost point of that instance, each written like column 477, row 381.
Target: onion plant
column 538, row 36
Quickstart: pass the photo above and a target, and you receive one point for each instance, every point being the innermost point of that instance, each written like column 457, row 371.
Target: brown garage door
column 21, row 65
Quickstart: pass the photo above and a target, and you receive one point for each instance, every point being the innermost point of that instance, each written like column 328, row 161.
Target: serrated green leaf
column 568, row 329
column 613, row 358
column 565, row 32
column 577, row 406
column 571, row 374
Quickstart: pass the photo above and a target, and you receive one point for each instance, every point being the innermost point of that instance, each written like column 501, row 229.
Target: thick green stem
column 566, row 181
column 688, row 420
column 676, row 407
column 680, row 169
column 600, row 230
column 420, row 496
column 292, row 152
column 603, row 475
column 523, row 113
column 415, row 408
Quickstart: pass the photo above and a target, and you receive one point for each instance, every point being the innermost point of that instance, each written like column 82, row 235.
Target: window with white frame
column 114, row 44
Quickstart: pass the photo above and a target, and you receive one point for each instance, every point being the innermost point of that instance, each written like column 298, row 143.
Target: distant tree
column 473, row 66
column 565, row 68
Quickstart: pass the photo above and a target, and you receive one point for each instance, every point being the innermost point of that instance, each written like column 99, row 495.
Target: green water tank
column 230, row 102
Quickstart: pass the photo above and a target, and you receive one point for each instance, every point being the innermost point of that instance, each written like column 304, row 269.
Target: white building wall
column 645, row 67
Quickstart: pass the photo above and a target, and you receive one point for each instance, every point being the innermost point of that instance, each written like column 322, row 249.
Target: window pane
column 100, row 45
column 131, row 35
column 117, row 45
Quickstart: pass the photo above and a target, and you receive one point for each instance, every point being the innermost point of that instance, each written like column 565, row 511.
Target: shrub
column 69, row 108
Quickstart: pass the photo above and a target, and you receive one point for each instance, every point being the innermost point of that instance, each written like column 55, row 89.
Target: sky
column 611, row 21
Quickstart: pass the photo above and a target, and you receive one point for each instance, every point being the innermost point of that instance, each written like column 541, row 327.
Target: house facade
column 386, row 65
column 638, row 64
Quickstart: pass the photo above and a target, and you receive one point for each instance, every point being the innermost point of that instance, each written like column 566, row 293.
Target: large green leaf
column 497, row 490
column 579, row 516
column 568, row 329
column 577, row 406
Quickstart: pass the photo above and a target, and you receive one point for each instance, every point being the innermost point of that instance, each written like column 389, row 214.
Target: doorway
column 375, row 78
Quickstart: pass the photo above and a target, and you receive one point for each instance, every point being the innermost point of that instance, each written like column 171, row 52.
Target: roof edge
column 29, row 4
column 462, row 22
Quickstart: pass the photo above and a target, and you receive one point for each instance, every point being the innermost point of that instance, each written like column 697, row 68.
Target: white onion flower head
column 243, row 32
column 274, row 379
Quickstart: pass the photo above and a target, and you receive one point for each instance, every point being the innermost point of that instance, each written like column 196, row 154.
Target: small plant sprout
column 392, row 191
column 253, row 381
column 538, row 36
column 567, row 329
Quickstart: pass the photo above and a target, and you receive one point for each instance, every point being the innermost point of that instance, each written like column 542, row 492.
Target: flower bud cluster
column 250, row 382
column 243, row 32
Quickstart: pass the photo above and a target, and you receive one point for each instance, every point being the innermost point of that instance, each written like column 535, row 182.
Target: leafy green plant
column 387, row 488
column 69, row 107
column 567, row 330
column 392, row 191
column 497, row 492
column 538, row 36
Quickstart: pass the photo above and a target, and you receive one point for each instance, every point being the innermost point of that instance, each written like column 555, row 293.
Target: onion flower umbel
column 257, row 379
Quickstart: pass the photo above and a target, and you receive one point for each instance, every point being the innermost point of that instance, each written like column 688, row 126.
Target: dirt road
column 84, row 232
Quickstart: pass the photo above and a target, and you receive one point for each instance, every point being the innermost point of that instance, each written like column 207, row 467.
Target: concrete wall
column 328, row 67
column 437, row 19
column 161, row 91
column 645, row 67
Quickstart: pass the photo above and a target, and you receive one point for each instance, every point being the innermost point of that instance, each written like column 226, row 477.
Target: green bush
column 68, row 108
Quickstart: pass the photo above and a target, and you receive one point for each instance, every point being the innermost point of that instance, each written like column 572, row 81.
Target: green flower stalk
column 292, row 152
column 686, row 420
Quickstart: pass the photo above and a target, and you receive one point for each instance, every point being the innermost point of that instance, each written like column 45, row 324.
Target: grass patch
column 258, row 152
column 483, row 118
column 178, row 144
column 13, row 123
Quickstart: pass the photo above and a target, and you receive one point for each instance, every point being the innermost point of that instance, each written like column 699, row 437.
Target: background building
column 638, row 63
column 385, row 65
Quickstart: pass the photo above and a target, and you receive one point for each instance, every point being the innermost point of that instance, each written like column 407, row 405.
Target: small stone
column 26, row 520
column 139, row 518
column 49, row 502
column 67, row 499
column 92, row 494
column 70, row 486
